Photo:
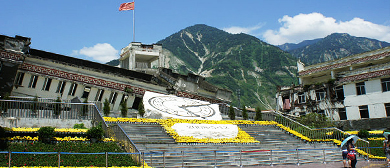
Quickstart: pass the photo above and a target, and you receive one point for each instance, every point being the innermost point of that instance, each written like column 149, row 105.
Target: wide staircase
column 276, row 147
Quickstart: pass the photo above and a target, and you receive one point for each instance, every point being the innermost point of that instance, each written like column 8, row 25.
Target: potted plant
column 45, row 134
column 95, row 133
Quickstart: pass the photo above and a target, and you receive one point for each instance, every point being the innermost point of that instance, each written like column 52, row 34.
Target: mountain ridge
column 331, row 47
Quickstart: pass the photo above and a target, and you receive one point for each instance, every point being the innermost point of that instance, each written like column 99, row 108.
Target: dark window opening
column 364, row 111
column 72, row 89
column 87, row 89
column 339, row 93
column 387, row 107
column 342, row 114
column 46, row 84
column 360, row 88
column 385, row 84
column 19, row 79
column 33, row 81
column 136, row 102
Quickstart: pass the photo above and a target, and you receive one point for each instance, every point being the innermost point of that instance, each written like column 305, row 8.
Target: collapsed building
column 351, row 88
column 29, row 72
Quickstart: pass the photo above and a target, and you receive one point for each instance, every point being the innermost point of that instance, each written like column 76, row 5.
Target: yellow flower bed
column 377, row 132
column 72, row 130
column 28, row 138
column 376, row 139
column 242, row 136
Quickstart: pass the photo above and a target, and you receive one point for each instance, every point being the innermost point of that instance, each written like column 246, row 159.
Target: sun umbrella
column 354, row 137
column 386, row 135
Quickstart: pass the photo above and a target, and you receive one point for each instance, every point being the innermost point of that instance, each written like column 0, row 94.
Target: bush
column 79, row 126
column 95, row 132
column 244, row 113
column 363, row 134
column 106, row 108
column 258, row 116
column 141, row 109
column 57, row 107
column 232, row 114
column 45, row 134
column 123, row 109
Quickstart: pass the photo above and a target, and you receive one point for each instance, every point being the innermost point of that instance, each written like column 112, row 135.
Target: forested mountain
column 334, row 46
column 233, row 61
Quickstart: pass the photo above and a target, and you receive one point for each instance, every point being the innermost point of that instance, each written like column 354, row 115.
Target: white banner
column 215, row 131
column 160, row 106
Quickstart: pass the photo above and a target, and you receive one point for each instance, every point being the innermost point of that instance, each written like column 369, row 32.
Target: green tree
column 258, row 116
column 34, row 105
column 45, row 134
column 106, row 107
column 5, row 105
column 244, row 113
column 124, row 109
column 141, row 109
column 232, row 114
column 57, row 107
column 315, row 120
column 84, row 108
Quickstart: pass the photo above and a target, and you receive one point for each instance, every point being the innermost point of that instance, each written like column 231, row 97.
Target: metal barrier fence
column 241, row 158
column 117, row 132
column 48, row 110
column 59, row 160
column 318, row 134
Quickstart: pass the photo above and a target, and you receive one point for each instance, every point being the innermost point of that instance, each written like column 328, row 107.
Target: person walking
column 386, row 149
column 351, row 154
column 344, row 152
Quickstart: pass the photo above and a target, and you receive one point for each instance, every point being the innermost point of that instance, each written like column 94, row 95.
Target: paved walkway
column 360, row 164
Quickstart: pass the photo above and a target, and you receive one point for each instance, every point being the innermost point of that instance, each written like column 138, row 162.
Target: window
column 46, row 84
column 99, row 95
column 87, row 89
column 33, row 81
column 364, row 111
column 320, row 95
column 360, row 88
column 342, row 114
column 60, row 87
column 19, row 78
column 339, row 93
column 72, row 89
column 387, row 107
column 113, row 97
column 385, row 84
column 124, row 98
column 301, row 98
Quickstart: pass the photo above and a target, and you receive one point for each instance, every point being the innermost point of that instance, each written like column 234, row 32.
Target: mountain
column 334, row 46
column 232, row 61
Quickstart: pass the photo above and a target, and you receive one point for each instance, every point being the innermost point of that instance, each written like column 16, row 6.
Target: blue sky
column 96, row 30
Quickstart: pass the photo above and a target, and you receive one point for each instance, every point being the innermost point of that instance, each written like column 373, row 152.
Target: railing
column 241, row 158
column 319, row 134
column 47, row 110
column 117, row 132
column 60, row 159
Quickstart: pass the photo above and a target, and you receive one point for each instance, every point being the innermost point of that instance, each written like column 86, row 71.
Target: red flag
column 126, row 6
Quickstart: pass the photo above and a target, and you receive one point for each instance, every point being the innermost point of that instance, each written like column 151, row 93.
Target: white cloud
column 101, row 52
column 246, row 30
column 315, row 25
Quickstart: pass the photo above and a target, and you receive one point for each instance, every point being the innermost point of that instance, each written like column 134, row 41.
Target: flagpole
column 134, row 22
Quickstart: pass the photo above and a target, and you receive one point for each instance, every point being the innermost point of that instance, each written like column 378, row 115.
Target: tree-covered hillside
column 233, row 61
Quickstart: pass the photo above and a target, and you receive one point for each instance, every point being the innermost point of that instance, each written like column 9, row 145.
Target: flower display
column 377, row 132
column 28, row 138
column 68, row 130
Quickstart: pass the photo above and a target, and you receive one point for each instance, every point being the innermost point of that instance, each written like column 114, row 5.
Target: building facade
column 351, row 88
column 29, row 72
